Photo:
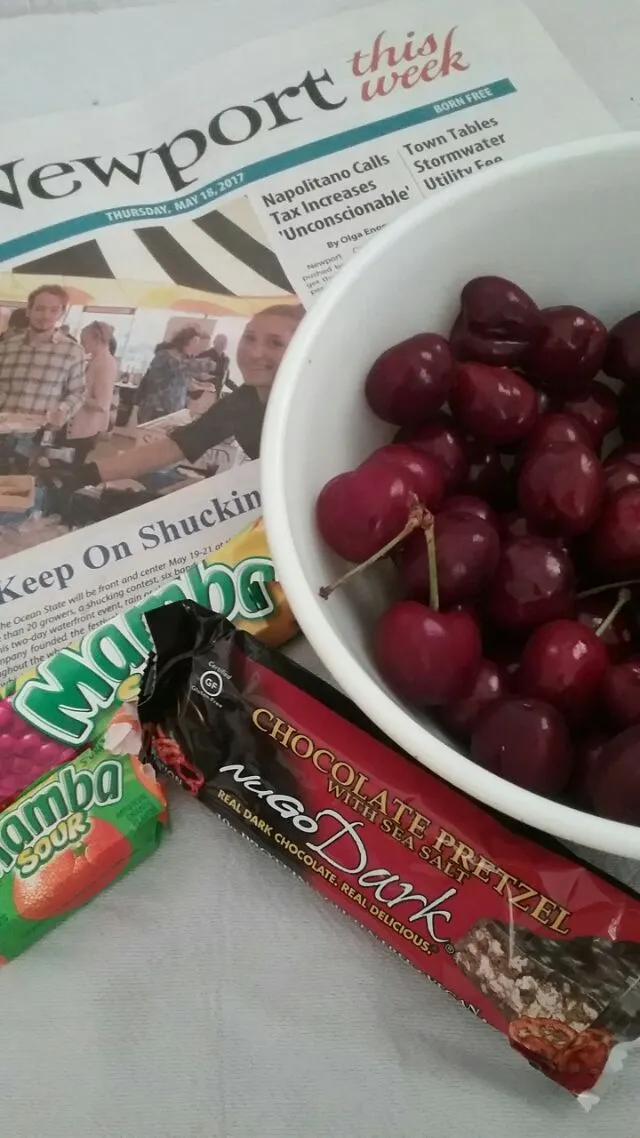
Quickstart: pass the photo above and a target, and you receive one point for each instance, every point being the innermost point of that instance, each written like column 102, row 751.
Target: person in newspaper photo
column 238, row 415
column 163, row 388
column 92, row 418
column 217, row 353
column 42, row 371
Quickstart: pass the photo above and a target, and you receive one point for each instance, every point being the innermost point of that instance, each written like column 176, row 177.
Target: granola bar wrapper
column 86, row 692
column 540, row 946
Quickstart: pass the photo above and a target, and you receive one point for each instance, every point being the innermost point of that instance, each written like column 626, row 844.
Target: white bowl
column 564, row 224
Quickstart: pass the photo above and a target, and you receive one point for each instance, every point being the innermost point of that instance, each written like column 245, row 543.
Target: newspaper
column 156, row 259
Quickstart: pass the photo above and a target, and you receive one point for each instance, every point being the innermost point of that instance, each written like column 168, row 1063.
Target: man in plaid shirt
column 42, row 369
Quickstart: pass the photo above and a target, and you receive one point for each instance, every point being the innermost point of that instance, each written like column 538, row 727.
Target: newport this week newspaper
column 156, row 258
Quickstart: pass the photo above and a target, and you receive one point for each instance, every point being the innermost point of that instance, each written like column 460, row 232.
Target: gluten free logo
column 211, row 683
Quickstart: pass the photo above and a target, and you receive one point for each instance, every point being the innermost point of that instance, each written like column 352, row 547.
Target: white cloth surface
column 210, row 994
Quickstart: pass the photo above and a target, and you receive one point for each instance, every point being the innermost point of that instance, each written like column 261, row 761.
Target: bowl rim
column 453, row 767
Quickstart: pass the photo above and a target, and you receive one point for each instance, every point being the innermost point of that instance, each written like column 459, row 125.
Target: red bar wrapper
column 542, row 947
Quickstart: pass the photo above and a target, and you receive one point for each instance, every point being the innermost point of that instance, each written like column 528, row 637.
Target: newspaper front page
column 156, row 259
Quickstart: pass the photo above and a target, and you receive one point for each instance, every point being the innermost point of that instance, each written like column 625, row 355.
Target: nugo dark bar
column 539, row 945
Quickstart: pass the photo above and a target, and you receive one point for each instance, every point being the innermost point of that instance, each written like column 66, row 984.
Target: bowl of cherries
column 451, row 471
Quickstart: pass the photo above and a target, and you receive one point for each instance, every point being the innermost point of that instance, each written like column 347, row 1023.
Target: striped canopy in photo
column 224, row 251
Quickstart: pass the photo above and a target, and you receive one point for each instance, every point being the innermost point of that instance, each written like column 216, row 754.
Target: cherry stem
column 417, row 517
column 624, row 595
column 434, row 594
column 607, row 588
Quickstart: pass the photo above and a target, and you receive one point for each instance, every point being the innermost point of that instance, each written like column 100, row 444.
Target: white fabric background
column 210, row 994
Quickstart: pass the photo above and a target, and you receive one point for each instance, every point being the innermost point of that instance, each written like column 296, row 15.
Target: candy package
column 51, row 712
column 71, row 835
column 542, row 947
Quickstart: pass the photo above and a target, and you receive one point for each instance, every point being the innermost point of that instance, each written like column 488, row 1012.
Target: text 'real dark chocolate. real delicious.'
column 540, row 946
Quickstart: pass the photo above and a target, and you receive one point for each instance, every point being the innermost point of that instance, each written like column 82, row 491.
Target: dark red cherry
column 497, row 321
column 621, row 690
column 561, row 488
column 564, row 663
column 442, row 442
column 359, row 512
column 533, row 583
column 497, row 308
column 569, row 352
column 525, row 741
column 555, row 427
column 468, row 504
column 423, row 472
column 615, row 780
column 494, row 404
column 620, row 475
column 426, row 657
column 619, row 637
column 408, row 383
column 614, row 542
column 467, row 551
column 489, row 685
column 622, row 359
column 596, row 409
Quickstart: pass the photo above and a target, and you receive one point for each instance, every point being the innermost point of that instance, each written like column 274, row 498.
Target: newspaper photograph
column 157, row 258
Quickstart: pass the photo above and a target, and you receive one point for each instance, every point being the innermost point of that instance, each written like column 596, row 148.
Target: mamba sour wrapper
column 69, row 836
